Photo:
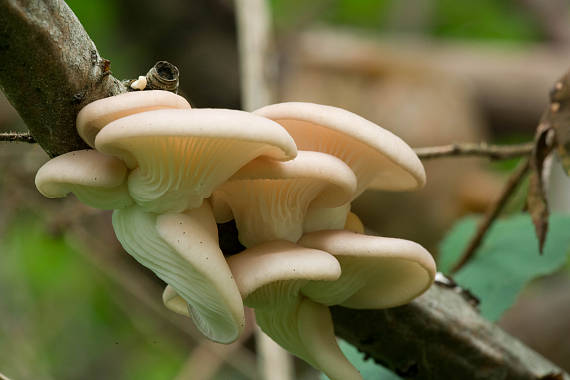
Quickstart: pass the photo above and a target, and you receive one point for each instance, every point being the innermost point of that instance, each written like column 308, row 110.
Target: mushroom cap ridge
column 179, row 157
column 377, row 272
column 269, row 199
column 277, row 261
column 182, row 249
column 97, row 179
column 94, row 116
column 397, row 166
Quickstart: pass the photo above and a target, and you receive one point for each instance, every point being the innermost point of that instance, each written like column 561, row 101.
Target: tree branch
column 492, row 214
column 51, row 68
column 440, row 336
column 494, row 152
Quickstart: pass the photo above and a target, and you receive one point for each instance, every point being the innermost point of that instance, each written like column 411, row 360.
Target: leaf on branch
column 506, row 261
column 536, row 200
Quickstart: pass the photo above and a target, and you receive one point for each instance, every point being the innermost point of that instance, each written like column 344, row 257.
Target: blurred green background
column 74, row 306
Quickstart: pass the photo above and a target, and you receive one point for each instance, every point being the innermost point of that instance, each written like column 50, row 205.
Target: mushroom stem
column 182, row 249
column 305, row 329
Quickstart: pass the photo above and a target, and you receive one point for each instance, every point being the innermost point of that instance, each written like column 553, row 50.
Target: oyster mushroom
column 96, row 179
column 269, row 199
column 182, row 249
column 379, row 159
column 178, row 157
column 99, row 113
column 377, row 272
column 269, row 277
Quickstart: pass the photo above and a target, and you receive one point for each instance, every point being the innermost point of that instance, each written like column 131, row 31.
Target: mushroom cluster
column 287, row 174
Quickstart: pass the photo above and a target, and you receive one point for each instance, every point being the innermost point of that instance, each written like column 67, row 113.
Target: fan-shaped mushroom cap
column 180, row 156
column 269, row 199
column 377, row 272
column 182, row 249
column 99, row 113
column 269, row 277
column 278, row 269
column 96, row 179
column 378, row 157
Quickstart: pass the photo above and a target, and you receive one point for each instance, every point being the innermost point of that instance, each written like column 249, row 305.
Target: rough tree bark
column 50, row 68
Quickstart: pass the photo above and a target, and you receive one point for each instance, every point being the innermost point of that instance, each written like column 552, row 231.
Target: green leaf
column 367, row 367
column 507, row 260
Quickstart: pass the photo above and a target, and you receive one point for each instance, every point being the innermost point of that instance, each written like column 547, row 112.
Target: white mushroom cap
column 379, row 158
column 377, row 272
column 269, row 199
column 96, row 179
column 269, row 277
column 99, row 113
column 179, row 156
column 182, row 249
column 261, row 272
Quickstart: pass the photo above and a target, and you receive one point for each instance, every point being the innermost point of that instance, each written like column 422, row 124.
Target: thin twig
column 494, row 152
column 256, row 64
column 492, row 214
column 17, row 137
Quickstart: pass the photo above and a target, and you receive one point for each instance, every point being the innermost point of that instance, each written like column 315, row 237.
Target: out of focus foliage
column 507, row 260
column 60, row 318
column 470, row 19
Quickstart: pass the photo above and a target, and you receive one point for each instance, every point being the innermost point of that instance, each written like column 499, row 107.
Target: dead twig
column 494, row 152
column 17, row 137
column 492, row 214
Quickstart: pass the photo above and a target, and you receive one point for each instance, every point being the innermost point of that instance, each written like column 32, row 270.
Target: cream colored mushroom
column 182, row 249
column 269, row 277
column 99, row 113
column 178, row 157
column 269, row 199
column 377, row 272
column 378, row 157
column 96, row 179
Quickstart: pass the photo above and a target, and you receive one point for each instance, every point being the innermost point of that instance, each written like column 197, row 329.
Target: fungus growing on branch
column 269, row 199
column 270, row 277
column 178, row 157
column 94, row 116
column 96, row 179
column 182, row 249
column 377, row 272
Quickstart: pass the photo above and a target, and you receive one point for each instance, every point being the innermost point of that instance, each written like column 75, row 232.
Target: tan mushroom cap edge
column 179, row 157
column 99, row 113
column 377, row 272
column 269, row 277
column 97, row 179
column 183, row 250
column 390, row 164
column 269, row 199
column 278, row 261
